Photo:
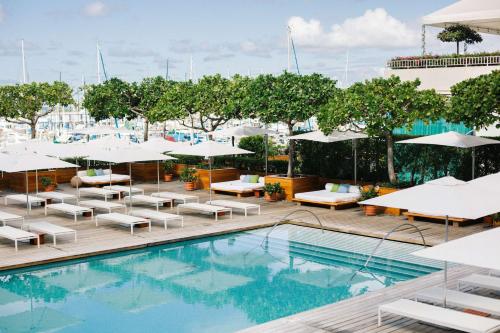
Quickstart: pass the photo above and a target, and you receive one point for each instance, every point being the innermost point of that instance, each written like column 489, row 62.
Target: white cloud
column 374, row 29
column 2, row 14
column 96, row 8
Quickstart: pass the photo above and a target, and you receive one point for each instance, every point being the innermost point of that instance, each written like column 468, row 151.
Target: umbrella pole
column 445, row 263
column 473, row 160
column 266, row 143
column 77, row 190
column 355, row 146
column 210, row 178
column 130, row 184
column 158, row 174
column 110, row 171
column 27, row 195
column 36, row 181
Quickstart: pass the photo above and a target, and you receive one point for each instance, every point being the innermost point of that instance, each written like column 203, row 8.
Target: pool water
column 214, row 284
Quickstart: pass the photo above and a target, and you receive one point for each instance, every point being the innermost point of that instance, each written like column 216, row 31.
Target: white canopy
column 242, row 131
column 161, row 145
column 445, row 196
column 452, row 139
column 30, row 161
column 480, row 15
column 111, row 142
column 103, row 130
column 479, row 250
column 128, row 155
column 335, row 136
column 210, row 149
column 490, row 181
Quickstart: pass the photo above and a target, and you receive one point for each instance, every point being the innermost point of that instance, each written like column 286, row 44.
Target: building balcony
column 444, row 61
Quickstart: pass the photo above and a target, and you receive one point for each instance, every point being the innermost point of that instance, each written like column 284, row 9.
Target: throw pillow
column 343, row 188
column 99, row 172
column 254, row 179
column 91, row 172
column 246, row 179
column 335, row 188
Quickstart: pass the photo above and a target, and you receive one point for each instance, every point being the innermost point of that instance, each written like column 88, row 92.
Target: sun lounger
column 123, row 189
column 459, row 299
column 51, row 229
column 235, row 205
column 21, row 198
column 204, row 208
column 119, row 218
column 97, row 192
column 239, row 186
column 326, row 197
column 436, row 315
column 8, row 217
column 59, row 196
column 480, row 281
column 99, row 204
column 18, row 235
column 185, row 198
column 69, row 209
column 149, row 200
column 157, row 216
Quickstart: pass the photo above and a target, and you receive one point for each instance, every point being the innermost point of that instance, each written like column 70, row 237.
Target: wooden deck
column 353, row 315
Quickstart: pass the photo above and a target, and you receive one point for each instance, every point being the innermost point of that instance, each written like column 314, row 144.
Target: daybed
column 326, row 197
column 240, row 186
column 101, row 179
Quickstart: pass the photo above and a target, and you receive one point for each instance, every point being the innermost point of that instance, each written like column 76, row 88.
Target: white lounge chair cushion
column 122, row 218
column 204, row 207
column 327, row 196
column 22, row 198
column 67, row 208
column 147, row 199
column 49, row 228
column 441, row 316
column 122, row 188
column 55, row 195
column 101, row 204
column 237, row 185
column 153, row 214
column 175, row 196
column 232, row 204
column 97, row 191
column 483, row 281
column 106, row 178
column 16, row 234
column 4, row 216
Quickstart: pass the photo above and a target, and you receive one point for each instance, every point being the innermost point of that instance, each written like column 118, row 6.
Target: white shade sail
column 128, row 156
column 103, row 130
column 490, row 181
column 480, row 15
column 241, row 131
column 335, row 136
column 445, row 196
column 479, row 250
column 452, row 139
column 111, row 142
column 161, row 145
column 210, row 149
column 30, row 161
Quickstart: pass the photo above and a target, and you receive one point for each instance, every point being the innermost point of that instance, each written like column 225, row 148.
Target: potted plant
column 168, row 167
column 369, row 193
column 188, row 177
column 48, row 184
column 272, row 191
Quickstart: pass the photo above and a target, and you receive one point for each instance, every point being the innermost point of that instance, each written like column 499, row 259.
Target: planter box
column 218, row 175
column 17, row 180
column 65, row 175
column 146, row 171
column 294, row 185
column 389, row 210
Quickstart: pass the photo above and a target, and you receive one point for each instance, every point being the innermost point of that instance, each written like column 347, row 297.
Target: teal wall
column 435, row 127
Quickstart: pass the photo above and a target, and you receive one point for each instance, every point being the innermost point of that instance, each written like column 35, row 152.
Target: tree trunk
column 458, row 48
column 390, row 158
column 33, row 130
column 291, row 152
column 146, row 129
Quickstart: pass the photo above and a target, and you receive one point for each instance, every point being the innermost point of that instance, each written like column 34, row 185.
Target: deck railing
column 444, row 62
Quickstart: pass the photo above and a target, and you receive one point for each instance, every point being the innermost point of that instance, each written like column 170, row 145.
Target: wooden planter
column 167, row 177
column 146, row 171
column 271, row 197
column 389, row 210
column 294, row 185
column 218, row 175
column 17, row 180
column 190, row 186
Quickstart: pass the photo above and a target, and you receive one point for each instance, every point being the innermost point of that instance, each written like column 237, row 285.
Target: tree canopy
column 288, row 98
column 476, row 102
column 27, row 103
column 379, row 106
column 458, row 33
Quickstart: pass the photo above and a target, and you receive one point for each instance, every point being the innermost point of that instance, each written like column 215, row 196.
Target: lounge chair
column 436, row 315
column 326, row 197
column 18, row 235
column 8, row 217
column 239, row 187
column 204, row 208
column 69, row 209
column 99, row 204
column 122, row 219
column 50, row 229
column 460, row 300
column 184, row 198
column 59, row 196
column 124, row 189
column 149, row 200
column 97, row 192
column 104, row 179
column 158, row 216
column 21, row 198
column 480, row 281
column 235, row 205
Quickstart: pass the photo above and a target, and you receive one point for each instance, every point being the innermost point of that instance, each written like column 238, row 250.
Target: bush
column 272, row 188
column 168, row 167
column 46, row 181
column 256, row 144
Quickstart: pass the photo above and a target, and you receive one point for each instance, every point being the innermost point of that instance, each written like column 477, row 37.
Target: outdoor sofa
column 247, row 184
column 101, row 177
column 332, row 196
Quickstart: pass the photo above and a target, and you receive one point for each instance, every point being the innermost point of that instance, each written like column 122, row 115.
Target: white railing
column 444, row 62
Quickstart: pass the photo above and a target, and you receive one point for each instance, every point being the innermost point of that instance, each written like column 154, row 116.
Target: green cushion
column 253, row 179
column 91, row 172
column 335, row 187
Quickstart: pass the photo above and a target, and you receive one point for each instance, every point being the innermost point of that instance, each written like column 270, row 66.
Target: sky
column 220, row 36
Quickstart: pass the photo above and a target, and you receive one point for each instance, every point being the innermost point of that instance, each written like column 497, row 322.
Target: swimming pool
column 213, row 284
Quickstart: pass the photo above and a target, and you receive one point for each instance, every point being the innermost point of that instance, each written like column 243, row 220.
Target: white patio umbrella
column 161, row 145
column 242, row 131
column 24, row 162
column 128, row 156
column 335, row 136
column 454, row 139
column 111, row 142
column 103, row 130
column 209, row 149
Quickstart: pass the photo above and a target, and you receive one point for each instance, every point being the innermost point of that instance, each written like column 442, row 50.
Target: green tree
column 378, row 107
column 204, row 105
column 459, row 33
column 476, row 102
column 288, row 98
column 27, row 103
column 119, row 99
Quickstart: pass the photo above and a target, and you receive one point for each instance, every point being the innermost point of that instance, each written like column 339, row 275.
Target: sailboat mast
column 23, row 60
column 97, row 63
column 191, row 68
